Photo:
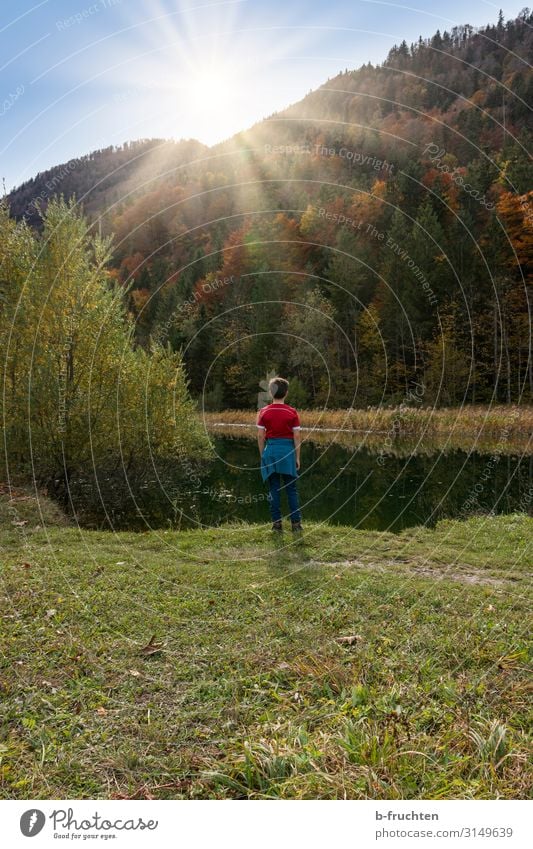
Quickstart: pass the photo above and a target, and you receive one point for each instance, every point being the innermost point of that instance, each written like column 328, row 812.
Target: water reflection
column 350, row 487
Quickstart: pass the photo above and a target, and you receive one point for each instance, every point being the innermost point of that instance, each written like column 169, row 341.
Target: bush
column 77, row 394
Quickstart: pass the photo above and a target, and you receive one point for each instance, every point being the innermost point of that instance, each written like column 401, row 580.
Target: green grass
column 250, row 691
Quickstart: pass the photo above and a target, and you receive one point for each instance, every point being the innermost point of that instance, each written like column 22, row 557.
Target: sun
column 210, row 89
column 212, row 96
column 210, row 72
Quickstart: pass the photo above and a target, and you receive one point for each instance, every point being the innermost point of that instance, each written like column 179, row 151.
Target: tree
column 517, row 214
column 371, row 358
column 312, row 352
column 76, row 393
column 447, row 369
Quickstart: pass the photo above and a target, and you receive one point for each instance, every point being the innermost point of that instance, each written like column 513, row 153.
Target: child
column 279, row 427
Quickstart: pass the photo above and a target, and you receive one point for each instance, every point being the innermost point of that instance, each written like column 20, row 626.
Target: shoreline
column 502, row 430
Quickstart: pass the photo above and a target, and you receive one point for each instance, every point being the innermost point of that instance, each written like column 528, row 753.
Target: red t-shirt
column 278, row 421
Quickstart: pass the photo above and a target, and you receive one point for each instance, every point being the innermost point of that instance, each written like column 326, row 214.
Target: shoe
column 277, row 527
column 297, row 527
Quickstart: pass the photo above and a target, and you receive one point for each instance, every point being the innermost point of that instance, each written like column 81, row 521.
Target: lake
column 349, row 486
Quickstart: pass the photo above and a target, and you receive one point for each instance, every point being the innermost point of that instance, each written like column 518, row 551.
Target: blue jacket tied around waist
column 278, row 456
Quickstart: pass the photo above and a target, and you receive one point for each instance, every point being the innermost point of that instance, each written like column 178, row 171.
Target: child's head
column 278, row 388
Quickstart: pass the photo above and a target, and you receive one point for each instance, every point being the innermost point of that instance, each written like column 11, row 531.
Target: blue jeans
column 289, row 485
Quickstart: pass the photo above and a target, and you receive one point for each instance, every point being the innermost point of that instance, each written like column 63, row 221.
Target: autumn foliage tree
column 399, row 195
column 76, row 393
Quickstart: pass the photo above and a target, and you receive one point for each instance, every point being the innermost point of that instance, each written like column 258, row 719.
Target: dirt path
column 426, row 570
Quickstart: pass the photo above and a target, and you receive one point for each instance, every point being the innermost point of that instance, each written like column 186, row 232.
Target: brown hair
column 278, row 387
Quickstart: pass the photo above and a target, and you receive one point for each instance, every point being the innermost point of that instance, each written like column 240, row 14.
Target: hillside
column 384, row 221
column 104, row 178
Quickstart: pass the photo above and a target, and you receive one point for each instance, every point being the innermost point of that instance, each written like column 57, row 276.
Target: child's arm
column 297, row 433
column 260, row 433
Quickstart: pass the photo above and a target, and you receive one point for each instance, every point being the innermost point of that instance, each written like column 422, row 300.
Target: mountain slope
column 385, row 221
column 104, row 177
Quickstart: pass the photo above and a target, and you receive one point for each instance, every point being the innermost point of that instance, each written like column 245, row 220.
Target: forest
column 373, row 242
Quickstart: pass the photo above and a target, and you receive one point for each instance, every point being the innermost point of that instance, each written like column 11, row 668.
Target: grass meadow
column 214, row 664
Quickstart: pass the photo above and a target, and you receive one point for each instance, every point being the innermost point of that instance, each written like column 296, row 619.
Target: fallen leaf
column 152, row 647
column 27, row 565
column 134, row 673
column 101, row 711
column 349, row 641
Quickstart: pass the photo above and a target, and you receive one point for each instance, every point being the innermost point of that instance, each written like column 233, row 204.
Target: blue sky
column 83, row 74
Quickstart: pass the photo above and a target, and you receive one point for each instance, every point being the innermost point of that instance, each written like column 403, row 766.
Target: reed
column 506, row 429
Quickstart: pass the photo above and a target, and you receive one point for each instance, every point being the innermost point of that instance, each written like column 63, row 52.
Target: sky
column 77, row 75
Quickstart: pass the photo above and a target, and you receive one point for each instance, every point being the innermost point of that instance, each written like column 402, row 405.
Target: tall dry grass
column 506, row 429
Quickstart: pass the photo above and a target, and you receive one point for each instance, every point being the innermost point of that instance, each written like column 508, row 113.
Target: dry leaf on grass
column 153, row 647
column 349, row 641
